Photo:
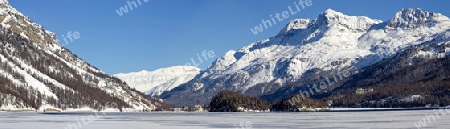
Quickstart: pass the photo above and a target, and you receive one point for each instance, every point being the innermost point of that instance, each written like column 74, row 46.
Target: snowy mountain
column 416, row 77
column 155, row 82
column 38, row 73
column 305, row 48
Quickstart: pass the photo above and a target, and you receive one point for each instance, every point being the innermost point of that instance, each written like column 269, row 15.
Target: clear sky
column 163, row 33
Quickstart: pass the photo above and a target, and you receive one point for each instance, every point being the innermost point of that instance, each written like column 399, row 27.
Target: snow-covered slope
column 331, row 42
column 155, row 82
column 38, row 72
column 302, row 45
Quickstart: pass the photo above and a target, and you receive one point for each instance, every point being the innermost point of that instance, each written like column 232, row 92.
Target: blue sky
column 163, row 33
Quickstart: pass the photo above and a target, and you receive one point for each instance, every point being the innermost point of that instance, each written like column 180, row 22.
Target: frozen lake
column 161, row 120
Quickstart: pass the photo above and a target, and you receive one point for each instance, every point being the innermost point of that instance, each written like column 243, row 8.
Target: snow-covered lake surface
column 161, row 120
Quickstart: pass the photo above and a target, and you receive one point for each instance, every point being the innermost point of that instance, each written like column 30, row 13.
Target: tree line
column 229, row 101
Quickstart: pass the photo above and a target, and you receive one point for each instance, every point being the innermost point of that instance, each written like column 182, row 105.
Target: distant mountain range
column 155, row 82
column 306, row 51
column 309, row 57
column 38, row 73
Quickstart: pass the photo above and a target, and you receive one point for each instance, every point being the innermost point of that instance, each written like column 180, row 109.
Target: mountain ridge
column 304, row 47
column 155, row 82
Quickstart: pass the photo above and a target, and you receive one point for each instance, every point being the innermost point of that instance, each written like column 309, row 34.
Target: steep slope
column 38, row 73
column 155, row 82
column 307, row 49
column 416, row 77
column 385, row 42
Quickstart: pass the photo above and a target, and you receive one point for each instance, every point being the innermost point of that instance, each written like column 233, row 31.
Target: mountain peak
column 295, row 24
column 331, row 17
column 330, row 13
column 414, row 18
column 410, row 13
column 325, row 18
